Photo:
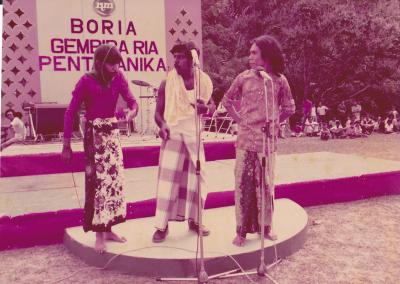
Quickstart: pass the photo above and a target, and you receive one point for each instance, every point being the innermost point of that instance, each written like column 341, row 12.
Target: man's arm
column 159, row 113
column 233, row 94
column 128, row 97
column 74, row 105
column 287, row 104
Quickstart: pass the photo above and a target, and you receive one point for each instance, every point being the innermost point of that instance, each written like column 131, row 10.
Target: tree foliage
column 335, row 50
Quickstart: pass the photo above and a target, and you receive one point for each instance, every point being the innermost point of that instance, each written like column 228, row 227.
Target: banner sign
column 48, row 45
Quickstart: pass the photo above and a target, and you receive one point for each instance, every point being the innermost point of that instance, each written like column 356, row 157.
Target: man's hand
column 164, row 132
column 66, row 154
column 132, row 113
column 201, row 107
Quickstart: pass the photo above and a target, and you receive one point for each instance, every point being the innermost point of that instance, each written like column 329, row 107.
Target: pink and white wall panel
column 41, row 58
column 20, row 75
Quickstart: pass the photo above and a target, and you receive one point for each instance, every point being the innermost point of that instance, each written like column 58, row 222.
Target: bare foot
column 239, row 241
column 271, row 235
column 111, row 236
column 100, row 244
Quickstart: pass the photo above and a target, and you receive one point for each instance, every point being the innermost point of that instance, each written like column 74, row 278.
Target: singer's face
column 107, row 70
column 182, row 63
column 110, row 70
column 255, row 58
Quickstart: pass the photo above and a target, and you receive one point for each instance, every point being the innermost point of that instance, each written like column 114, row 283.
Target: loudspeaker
column 48, row 118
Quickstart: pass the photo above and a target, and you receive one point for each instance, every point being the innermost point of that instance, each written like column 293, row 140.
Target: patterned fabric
column 177, row 101
column 248, row 88
column 248, row 174
column 104, row 199
column 100, row 101
column 176, row 188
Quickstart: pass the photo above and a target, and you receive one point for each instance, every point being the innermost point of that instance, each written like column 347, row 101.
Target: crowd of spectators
column 342, row 122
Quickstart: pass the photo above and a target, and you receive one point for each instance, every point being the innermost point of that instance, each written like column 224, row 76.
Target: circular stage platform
column 176, row 256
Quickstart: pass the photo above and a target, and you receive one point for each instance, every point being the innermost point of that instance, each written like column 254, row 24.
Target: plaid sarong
column 176, row 188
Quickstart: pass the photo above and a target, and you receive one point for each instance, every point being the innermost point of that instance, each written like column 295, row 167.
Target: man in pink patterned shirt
column 248, row 88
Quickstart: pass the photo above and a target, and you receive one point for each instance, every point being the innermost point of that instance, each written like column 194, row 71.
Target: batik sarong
column 104, row 197
column 248, row 173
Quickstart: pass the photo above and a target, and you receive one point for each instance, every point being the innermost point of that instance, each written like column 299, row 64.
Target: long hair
column 271, row 52
column 106, row 53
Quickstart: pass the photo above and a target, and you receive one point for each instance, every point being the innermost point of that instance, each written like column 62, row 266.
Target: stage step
column 43, row 206
column 176, row 256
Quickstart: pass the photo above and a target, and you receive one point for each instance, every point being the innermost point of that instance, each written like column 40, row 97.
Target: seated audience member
column 396, row 118
column 325, row 133
column 367, row 125
column 380, row 125
column 389, row 125
column 315, row 127
column 17, row 126
column 348, row 122
column 347, row 129
column 282, row 129
column 337, row 130
column 297, row 130
column 332, row 122
column 307, row 127
column 356, row 130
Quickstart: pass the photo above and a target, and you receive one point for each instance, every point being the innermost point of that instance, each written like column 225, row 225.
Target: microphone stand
column 31, row 126
column 266, row 183
column 265, row 179
column 202, row 274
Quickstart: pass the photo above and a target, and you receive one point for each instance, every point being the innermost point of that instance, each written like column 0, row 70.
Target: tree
column 335, row 49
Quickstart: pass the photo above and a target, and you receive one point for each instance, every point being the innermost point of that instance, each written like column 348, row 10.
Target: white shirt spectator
column 18, row 128
column 389, row 125
column 395, row 114
column 356, row 110
column 321, row 110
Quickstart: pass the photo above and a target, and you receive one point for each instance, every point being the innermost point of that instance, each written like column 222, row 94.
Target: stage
column 43, row 206
column 176, row 256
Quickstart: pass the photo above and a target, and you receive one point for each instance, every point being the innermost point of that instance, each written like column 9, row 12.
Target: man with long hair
column 267, row 64
column 99, row 90
column 177, row 197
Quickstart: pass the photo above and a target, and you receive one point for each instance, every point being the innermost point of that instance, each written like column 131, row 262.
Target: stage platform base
column 176, row 256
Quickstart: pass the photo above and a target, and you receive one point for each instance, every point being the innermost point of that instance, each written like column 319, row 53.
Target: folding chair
column 209, row 122
column 224, row 123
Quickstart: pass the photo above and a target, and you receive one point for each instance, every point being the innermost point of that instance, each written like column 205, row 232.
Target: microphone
column 195, row 58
